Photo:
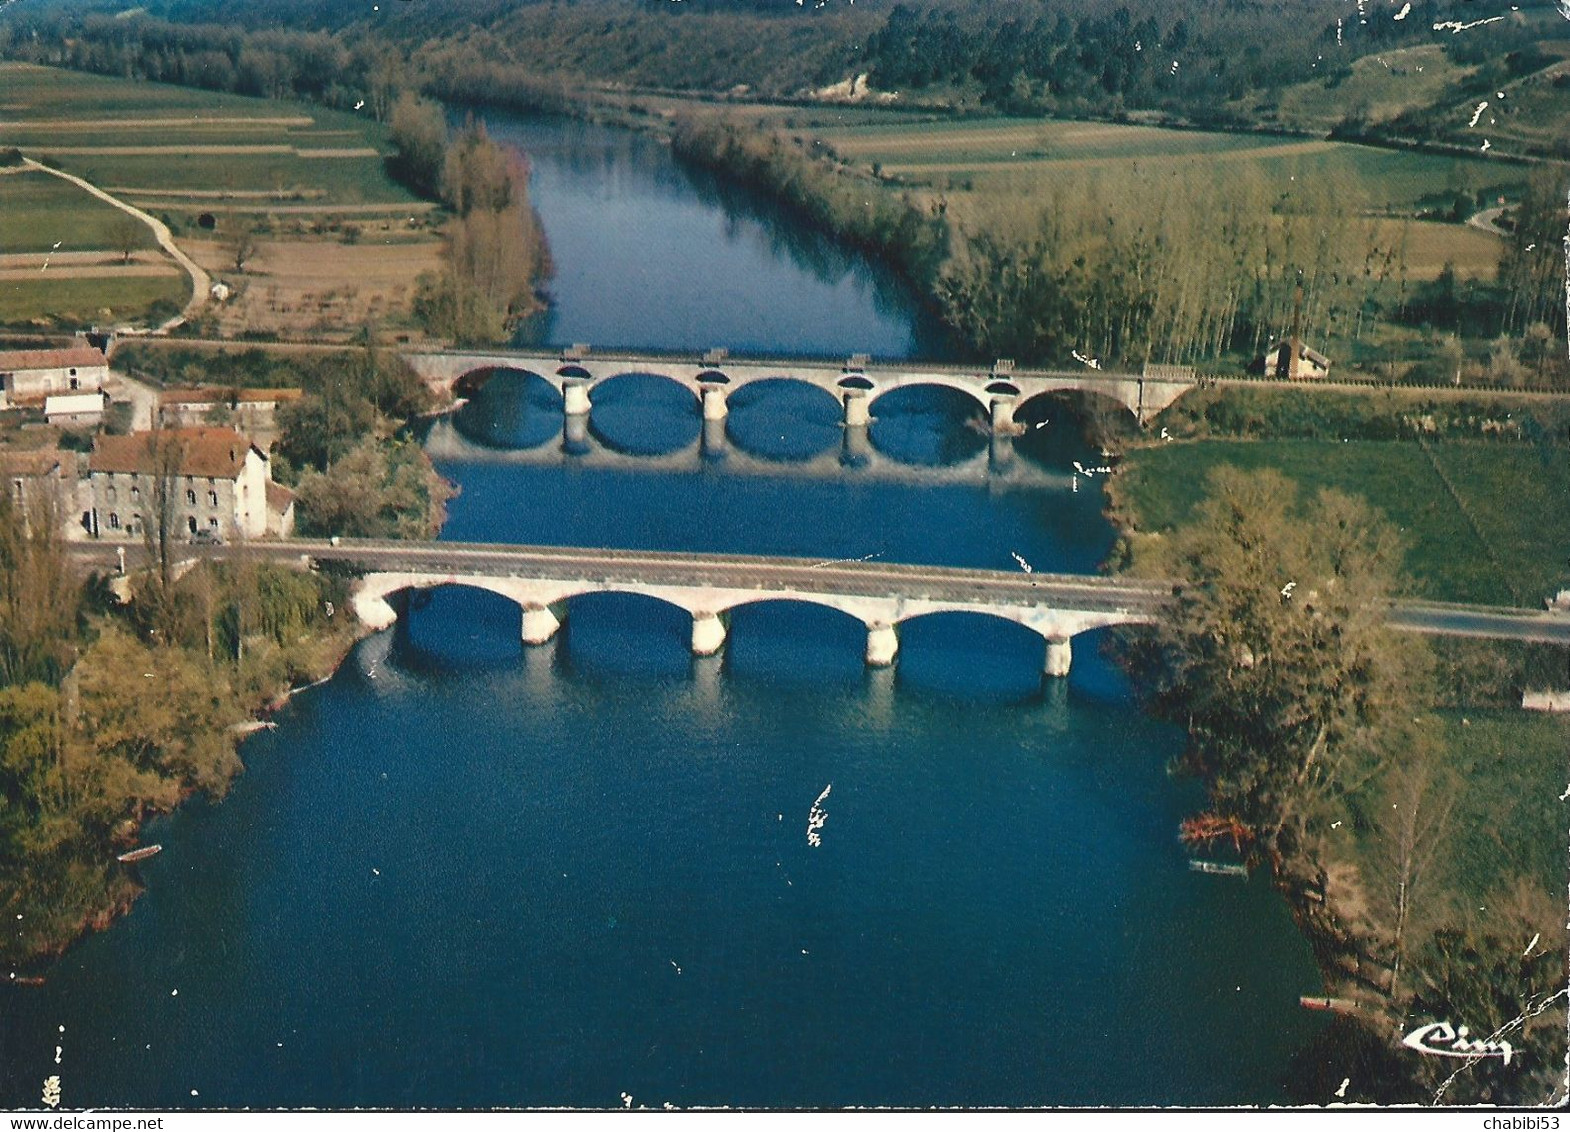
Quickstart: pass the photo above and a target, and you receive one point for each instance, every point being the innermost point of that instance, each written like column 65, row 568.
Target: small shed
column 77, row 410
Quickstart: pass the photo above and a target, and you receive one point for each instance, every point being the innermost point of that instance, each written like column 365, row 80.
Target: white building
column 27, row 377
column 213, row 479
column 76, row 410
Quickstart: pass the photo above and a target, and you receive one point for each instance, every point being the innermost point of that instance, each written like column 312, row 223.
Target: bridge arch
column 469, row 383
column 1102, row 412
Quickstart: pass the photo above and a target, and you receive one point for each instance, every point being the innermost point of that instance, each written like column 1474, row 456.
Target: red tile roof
column 81, row 356
column 215, row 452
column 37, row 462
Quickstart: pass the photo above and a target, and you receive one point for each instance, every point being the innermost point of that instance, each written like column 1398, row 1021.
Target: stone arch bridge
column 855, row 384
column 542, row 580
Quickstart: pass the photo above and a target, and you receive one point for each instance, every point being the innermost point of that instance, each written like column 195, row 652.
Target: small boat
column 29, row 980
column 141, row 854
column 1325, row 1002
column 1218, row 868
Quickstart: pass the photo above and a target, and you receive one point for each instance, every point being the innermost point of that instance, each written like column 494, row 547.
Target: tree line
column 496, row 248
column 112, row 712
column 1311, row 724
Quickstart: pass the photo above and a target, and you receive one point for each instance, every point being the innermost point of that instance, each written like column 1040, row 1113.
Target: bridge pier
column 708, row 634
column 882, row 644
column 856, row 447
column 858, row 408
column 575, row 396
column 714, row 407
column 714, row 439
column 539, row 624
column 575, row 434
column 1000, row 451
column 1060, row 655
column 1003, row 416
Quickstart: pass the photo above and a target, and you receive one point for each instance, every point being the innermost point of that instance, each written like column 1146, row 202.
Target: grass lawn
column 37, row 211
column 1519, row 500
column 79, row 302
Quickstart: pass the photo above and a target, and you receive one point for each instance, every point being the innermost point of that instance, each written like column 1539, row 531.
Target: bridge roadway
column 543, row 579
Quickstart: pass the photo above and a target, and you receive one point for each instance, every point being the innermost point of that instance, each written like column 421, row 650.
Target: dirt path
column 1488, row 221
column 201, row 282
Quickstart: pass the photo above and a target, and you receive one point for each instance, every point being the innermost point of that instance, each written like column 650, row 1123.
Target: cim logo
column 1442, row 1040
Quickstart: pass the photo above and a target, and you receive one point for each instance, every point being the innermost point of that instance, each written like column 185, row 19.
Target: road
column 852, row 577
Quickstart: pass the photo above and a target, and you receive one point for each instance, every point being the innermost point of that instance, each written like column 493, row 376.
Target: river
column 467, row 874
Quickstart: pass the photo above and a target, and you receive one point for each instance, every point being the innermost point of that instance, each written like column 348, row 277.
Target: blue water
column 467, row 873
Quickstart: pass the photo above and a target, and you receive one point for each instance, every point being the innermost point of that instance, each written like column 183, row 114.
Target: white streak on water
column 816, row 817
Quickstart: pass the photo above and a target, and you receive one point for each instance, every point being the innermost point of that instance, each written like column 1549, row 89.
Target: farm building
column 76, row 410
column 1277, row 361
column 249, row 410
column 29, row 376
column 214, row 479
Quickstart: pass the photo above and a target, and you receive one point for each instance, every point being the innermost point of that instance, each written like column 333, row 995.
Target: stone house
column 1278, row 361
column 249, row 410
column 27, row 377
column 217, row 481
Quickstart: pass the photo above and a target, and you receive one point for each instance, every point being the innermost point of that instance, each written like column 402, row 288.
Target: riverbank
column 1370, row 892
column 128, row 760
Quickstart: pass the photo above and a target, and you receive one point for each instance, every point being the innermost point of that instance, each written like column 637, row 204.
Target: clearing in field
column 322, row 288
column 1381, row 86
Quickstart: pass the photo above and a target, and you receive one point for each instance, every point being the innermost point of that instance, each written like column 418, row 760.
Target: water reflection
column 644, row 414
column 783, row 420
column 930, row 425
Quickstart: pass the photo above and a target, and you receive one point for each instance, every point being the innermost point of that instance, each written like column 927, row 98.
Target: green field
column 80, row 302
column 1518, row 498
column 336, row 180
column 50, row 112
column 1013, row 154
column 38, row 211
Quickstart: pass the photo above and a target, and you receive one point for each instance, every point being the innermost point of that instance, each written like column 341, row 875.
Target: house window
column 114, row 521
column 213, row 522
column 190, row 497
column 212, row 499
column 190, row 522
column 75, row 384
column 136, row 493
column 111, row 493
column 73, row 374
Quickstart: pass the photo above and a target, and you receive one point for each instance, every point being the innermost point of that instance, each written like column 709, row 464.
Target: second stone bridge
column 855, row 384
